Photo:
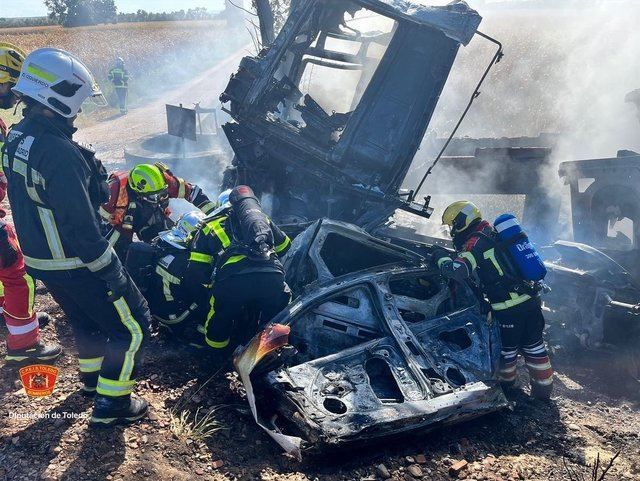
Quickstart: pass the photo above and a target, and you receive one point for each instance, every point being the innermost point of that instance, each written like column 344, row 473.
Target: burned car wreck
column 594, row 299
column 376, row 344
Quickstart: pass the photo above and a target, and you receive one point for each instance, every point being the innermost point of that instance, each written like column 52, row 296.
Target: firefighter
column 119, row 77
column 139, row 203
column 55, row 188
column 248, row 281
column 17, row 290
column 516, row 307
column 174, row 274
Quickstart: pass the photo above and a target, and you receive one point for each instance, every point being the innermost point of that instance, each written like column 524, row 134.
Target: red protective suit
column 17, row 291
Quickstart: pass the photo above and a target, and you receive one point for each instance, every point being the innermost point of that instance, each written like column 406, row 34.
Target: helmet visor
column 175, row 238
column 156, row 198
column 97, row 97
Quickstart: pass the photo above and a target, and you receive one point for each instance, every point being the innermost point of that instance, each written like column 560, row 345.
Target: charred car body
column 376, row 344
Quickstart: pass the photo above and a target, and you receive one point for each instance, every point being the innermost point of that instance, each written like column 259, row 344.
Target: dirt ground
column 590, row 414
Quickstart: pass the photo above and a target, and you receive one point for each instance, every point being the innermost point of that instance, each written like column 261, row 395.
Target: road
column 110, row 136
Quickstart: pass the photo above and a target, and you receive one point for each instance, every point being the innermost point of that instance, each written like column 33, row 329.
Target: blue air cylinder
column 518, row 247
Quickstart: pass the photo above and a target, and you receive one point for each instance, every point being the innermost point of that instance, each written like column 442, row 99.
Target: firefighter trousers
column 121, row 92
column 521, row 330
column 17, row 293
column 241, row 303
column 110, row 335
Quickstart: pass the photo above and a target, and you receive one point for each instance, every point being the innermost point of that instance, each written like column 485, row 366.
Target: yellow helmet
column 147, row 180
column 460, row 215
column 11, row 58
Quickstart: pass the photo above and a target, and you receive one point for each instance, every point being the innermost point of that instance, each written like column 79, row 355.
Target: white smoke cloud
column 565, row 71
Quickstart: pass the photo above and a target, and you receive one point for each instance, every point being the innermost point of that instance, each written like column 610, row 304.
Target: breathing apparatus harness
column 511, row 280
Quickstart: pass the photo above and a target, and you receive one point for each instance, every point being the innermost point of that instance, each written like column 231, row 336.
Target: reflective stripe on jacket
column 217, row 236
column 49, row 191
column 478, row 256
column 119, row 77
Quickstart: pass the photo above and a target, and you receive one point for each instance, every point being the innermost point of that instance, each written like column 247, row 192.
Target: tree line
column 198, row 13
column 76, row 13
column 26, row 22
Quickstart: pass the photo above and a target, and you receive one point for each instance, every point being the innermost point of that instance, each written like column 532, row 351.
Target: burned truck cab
column 605, row 205
column 326, row 122
column 327, row 119
column 598, row 275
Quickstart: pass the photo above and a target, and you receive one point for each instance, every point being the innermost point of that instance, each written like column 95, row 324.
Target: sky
column 36, row 8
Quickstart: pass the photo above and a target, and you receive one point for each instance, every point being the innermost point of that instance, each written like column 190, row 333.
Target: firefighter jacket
column 55, row 187
column 128, row 214
column 183, row 281
column 119, row 77
column 231, row 258
column 478, row 255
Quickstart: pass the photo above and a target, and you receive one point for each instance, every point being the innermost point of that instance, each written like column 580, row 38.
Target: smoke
column 565, row 71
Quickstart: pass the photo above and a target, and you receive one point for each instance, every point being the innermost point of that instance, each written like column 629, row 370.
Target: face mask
column 161, row 199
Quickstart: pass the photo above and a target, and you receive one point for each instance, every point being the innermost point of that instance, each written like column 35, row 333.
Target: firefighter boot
column 38, row 353
column 109, row 411
column 541, row 391
column 89, row 383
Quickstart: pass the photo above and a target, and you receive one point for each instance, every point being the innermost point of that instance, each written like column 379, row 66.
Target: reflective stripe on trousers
column 90, row 365
column 136, row 338
column 109, row 387
column 123, row 386
column 214, row 344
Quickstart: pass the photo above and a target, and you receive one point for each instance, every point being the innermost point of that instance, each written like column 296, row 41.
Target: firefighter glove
column 438, row 253
column 117, row 280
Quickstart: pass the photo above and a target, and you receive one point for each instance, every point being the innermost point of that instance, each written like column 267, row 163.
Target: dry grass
column 198, row 427
column 158, row 55
column 135, row 42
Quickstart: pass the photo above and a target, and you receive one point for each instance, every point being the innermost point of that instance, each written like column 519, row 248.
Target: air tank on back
column 522, row 252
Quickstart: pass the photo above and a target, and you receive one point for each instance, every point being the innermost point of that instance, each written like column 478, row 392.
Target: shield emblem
column 39, row 379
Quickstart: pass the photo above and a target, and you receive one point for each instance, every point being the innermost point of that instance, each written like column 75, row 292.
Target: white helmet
column 58, row 80
column 223, row 198
column 181, row 233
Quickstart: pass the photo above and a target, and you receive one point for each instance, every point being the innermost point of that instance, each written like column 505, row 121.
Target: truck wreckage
column 376, row 343
column 326, row 121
